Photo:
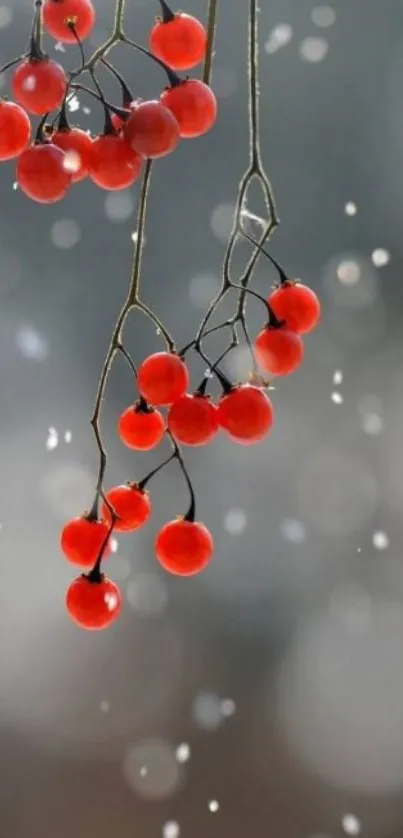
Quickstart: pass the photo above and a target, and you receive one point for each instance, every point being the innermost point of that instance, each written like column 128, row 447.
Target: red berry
column 151, row 129
column 141, row 428
column 297, row 305
column 39, row 85
column 184, row 547
column 131, row 504
column 15, row 130
column 58, row 13
column 279, row 351
column 193, row 420
column 77, row 145
column 82, row 540
column 41, row 175
column 162, row 378
column 193, row 104
column 246, row 413
column 180, row 42
column 113, row 164
column 93, row 604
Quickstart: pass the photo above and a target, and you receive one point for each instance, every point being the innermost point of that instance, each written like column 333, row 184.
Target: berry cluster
column 62, row 154
column 244, row 412
column 165, row 405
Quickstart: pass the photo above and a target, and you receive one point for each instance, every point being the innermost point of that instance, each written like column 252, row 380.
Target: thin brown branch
column 211, row 35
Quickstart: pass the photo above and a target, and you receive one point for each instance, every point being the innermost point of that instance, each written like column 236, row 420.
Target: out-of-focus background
column 265, row 696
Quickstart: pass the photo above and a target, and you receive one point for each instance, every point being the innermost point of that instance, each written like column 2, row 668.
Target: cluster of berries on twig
column 165, row 406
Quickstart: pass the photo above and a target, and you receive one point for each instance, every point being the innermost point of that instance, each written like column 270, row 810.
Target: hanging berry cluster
column 135, row 133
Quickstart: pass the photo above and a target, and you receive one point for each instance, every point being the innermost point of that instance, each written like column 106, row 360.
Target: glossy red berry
column 77, row 145
column 246, row 413
column 279, row 351
column 194, row 106
column 82, row 540
column 151, row 129
column 162, row 378
column 93, row 604
column 131, row 504
column 193, row 420
column 141, row 428
column 113, row 165
column 297, row 305
column 15, row 130
column 39, row 85
column 184, row 547
column 180, row 43
column 41, row 174
column 58, row 13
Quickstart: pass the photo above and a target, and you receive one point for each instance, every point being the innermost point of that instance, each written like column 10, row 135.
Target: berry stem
column 167, row 13
column 144, row 481
column 79, row 44
column 116, row 338
column 35, row 42
column 201, row 390
column 273, row 320
column 191, row 513
column 39, row 133
column 211, row 33
column 254, row 171
column 122, row 349
column 95, row 575
column 281, row 272
column 116, row 345
column 63, row 122
column 11, row 64
column 127, row 96
column 173, row 77
column 113, row 39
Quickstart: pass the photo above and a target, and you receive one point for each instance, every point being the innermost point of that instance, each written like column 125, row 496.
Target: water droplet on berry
column 71, row 162
column 29, row 83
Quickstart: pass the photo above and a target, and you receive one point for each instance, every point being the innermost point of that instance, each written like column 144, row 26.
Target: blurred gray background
column 265, row 696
